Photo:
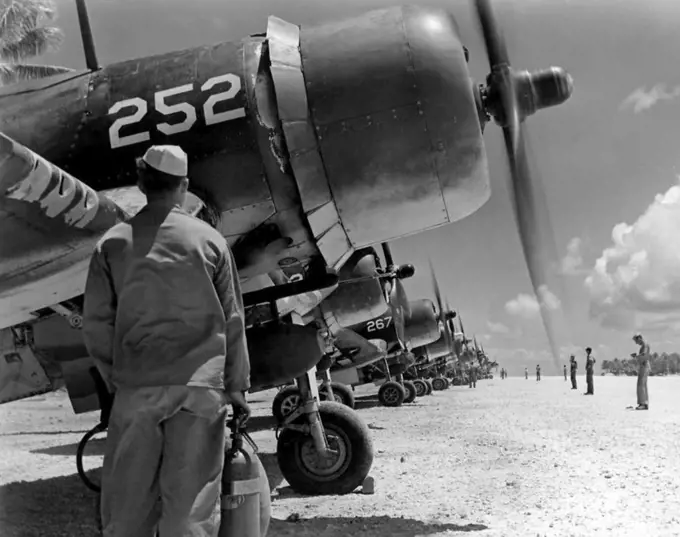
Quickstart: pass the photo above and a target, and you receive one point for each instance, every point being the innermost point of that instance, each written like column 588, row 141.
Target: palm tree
column 23, row 36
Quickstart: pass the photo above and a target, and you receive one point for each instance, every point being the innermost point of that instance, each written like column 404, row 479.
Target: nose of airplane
column 391, row 104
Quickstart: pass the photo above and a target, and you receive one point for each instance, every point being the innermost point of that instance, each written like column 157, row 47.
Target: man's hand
column 239, row 405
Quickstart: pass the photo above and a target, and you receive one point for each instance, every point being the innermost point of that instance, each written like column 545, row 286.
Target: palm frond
column 13, row 73
column 35, row 42
column 20, row 16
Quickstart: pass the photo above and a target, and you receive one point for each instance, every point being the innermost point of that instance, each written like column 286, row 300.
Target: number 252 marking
column 211, row 117
column 378, row 324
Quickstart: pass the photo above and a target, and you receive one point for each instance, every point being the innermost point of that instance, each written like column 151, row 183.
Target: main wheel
column 421, row 387
column 391, row 393
column 429, row 386
column 285, row 402
column 438, row 384
column 342, row 394
column 411, row 392
column 346, row 469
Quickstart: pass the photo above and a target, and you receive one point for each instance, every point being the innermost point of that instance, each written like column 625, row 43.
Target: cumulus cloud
column 636, row 280
column 497, row 328
column 528, row 306
column 642, row 99
column 572, row 262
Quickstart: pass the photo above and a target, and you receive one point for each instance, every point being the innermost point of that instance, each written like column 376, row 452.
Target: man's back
column 170, row 324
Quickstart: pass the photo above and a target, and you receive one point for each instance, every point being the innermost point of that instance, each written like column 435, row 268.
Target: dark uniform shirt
column 574, row 366
column 163, row 304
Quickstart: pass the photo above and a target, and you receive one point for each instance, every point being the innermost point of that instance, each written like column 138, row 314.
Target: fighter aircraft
column 296, row 136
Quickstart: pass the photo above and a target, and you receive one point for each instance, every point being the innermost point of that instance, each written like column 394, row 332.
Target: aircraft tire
column 285, row 402
column 438, row 384
column 429, row 386
column 347, row 434
column 421, row 387
column 411, row 392
column 391, row 394
column 343, row 394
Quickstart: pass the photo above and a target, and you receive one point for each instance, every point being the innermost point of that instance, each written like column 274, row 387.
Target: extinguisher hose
column 99, row 428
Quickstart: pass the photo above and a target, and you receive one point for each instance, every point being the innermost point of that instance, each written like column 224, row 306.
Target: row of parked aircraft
column 307, row 153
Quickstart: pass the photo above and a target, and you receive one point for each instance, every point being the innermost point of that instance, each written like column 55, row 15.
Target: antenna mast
column 86, row 34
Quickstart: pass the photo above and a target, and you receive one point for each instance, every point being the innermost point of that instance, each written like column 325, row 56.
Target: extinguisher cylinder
column 240, row 495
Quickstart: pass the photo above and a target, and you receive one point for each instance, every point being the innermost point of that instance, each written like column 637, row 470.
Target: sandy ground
column 512, row 458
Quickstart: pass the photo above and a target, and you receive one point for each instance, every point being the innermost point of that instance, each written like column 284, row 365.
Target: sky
column 608, row 161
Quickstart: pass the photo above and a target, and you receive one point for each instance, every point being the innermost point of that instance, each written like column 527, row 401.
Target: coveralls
column 574, row 366
column 538, row 372
column 565, row 371
column 590, row 366
column 643, row 374
column 473, row 376
column 164, row 323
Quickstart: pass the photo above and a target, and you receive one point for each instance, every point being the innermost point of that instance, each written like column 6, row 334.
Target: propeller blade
column 493, row 39
column 440, row 308
column 527, row 195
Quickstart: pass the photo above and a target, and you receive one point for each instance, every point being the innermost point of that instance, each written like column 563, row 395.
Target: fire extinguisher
column 240, row 488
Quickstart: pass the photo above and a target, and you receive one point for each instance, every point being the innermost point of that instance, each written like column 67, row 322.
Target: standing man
column 590, row 366
column 538, row 372
column 526, row 373
column 473, row 375
column 164, row 322
column 643, row 372
column 573, row 366
column 565, row 372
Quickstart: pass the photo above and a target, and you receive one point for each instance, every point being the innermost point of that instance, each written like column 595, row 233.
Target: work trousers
column 573, row 381
column 538, row 376
column 164, row 443
column 589, row 383
column 642, row 394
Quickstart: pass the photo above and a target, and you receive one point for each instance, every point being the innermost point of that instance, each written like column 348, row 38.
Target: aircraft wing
column 49, row 224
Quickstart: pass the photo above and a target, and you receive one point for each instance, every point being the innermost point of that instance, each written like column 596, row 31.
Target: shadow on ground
column 63, row 507
column 372, row 526
column 363, row 402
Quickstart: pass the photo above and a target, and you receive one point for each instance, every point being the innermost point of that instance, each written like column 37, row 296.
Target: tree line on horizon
column 660, row 364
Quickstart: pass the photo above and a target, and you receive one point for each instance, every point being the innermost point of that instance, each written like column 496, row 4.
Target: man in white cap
column 642, row 358
column 164, row 322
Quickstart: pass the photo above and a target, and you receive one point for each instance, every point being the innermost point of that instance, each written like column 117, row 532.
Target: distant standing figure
column 590, row 366
column 573, row 366
column 473, row 376
column 643, row 373
column 565, row 372
column 526, row 373
column 538, row 373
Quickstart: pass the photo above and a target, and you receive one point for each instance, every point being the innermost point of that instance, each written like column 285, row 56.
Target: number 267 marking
column 189, row 112
column 378, row 324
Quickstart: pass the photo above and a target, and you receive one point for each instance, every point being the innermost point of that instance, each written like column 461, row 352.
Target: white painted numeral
column 211, row 118
column 114, row 131
column 167, row 109
column 189, row 111
column 378, row 324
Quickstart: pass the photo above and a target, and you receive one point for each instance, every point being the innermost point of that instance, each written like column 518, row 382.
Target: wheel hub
column 325, row 466
column 391, row 395
column 290, row 404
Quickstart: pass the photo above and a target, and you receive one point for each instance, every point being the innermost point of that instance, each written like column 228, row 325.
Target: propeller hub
column 542, row 89
column 534, row 91
column 405, row 271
